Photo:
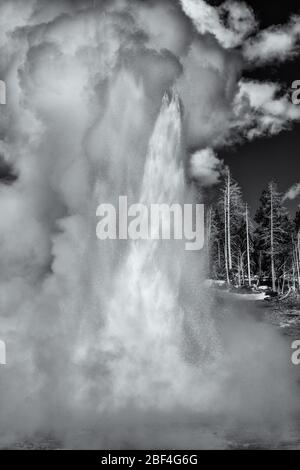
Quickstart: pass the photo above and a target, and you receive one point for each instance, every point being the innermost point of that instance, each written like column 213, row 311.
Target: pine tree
column 296, row 249
column 215, row 252
column 273, row 232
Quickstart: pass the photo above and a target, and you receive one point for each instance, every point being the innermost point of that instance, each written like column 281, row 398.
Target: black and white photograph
column 149, row 228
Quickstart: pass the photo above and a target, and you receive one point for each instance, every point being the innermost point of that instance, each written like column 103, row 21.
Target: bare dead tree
column 248, row 246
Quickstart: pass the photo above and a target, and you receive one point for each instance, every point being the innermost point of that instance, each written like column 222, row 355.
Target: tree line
column 245, row 251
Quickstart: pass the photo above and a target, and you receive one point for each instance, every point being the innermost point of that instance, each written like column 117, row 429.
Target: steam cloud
column 293, row 192
column 206, row 167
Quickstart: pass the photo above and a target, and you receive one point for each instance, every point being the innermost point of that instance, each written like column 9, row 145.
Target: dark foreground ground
column 284, row 318
column 284, row 315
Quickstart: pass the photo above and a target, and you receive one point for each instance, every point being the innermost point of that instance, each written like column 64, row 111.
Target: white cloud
column 233, row 24
column 261, row 109
column 239, row 23
column 275, row 43
column 206, row 167
column 293, row 192
column 242, row 108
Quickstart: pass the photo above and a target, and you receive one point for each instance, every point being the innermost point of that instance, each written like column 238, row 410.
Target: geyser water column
column 145, row 327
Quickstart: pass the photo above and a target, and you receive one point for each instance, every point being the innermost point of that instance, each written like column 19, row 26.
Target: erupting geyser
column 145, row 323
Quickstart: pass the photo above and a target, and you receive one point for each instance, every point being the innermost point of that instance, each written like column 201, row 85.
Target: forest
column 247, row 251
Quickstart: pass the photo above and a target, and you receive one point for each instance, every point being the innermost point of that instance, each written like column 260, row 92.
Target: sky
column 254, row 164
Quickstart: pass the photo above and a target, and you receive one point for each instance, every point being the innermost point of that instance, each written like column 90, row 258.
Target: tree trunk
column 298, row 258
column 242, row 269
column 219, row 254
column 272, row 243
column 248, row 247
column 225, row 241
column 208, row 239
column 294, row 282
column 259, row 262
column 228, row 220
column 297, row 265
column 283, row 279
